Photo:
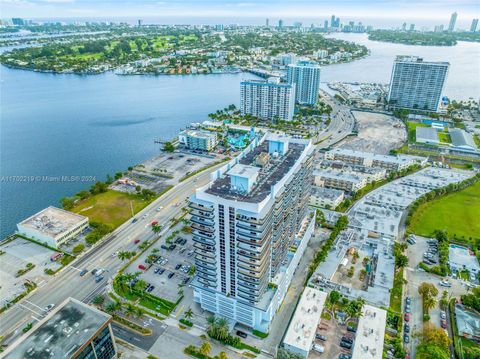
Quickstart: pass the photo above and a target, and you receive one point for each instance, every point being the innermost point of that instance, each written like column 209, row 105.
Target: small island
column 173, row 50
column 428, row 38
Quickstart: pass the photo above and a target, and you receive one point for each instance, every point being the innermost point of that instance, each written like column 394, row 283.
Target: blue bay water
column 70, row 125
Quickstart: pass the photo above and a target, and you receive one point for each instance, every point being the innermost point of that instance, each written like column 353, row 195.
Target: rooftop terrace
column 270, row 174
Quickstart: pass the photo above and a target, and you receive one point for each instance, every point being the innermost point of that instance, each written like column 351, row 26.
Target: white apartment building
column 267, row 99
column 198, row 139
column 390, row 163
column 251, row 226
column 53, row 226
column 306, row 77
column 326, row 197
column 342, row 180
column 417, row 85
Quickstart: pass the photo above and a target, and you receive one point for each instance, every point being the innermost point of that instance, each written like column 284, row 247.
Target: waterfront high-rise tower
column 416, row 84
column 251, row 226
column 267, row 99
column 306, row 77
column 473, row 27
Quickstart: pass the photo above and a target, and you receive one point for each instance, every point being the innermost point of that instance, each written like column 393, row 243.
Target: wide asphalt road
column 68, row 283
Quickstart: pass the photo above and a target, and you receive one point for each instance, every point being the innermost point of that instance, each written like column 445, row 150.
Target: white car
column 159, row 208
column 49, row 307
column 444, row 283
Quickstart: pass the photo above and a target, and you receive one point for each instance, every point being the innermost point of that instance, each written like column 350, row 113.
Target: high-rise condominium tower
column 416, row 84
column 306, row 77
column 245, row 224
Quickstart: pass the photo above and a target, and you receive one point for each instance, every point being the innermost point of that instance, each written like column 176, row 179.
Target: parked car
column 178, row 266
column 321, row 337
column 142, row 267
column 407, row 317
column 152, row 287
column 351, row 329
column 406, row 338
column 171, row 275
column 443, row 323
column 406, row 328
column 241, row 334
column 161, row 270
column 408, row 300
column 346, row 345
column 318, row 348
column 49, row 307
column 156, row 270
column 344, row 356
column 443, row 315
column 83, row 272
column 347, row 340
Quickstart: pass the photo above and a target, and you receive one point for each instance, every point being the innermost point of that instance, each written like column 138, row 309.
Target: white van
column 318, row 348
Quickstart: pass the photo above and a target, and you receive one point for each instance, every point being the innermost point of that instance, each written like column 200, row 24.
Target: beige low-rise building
column 326, row 197
column 338, row 179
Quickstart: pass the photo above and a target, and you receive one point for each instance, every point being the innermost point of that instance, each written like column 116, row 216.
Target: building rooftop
column 462, row 257
column 460, row 138
column 426, row 134
column 269, row 175
column 468, row 321
column 244, row 171
column 351, row 167
column 340, row 175
column 400, row 159
column 302, row 328
column 53, row 221
column 370, row 333
column 328, row 193
column 266, row 83
column 61, row 333
column 199, row 134
column 417, row 59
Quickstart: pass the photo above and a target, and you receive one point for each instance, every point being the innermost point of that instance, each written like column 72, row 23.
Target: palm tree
column 156, row 228
column 122, row 255
column 188, row 314
column 130, row 310
column 222, row 328
column 211, row 329
column 99, row 299
column 138, row 312
column 140, row 286
column 222, row 355
column 205, row 348
column 429, row 303
column 112, row 307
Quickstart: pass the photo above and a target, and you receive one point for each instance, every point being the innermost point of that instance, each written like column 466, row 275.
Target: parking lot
column 329, row 336
column 166, row 269
column 17, row 254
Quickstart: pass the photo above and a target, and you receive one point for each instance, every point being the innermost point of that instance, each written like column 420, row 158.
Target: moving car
column 98, row 278
column 136, row 241
column 83, row 272
column 134, row 220
column 444, row 283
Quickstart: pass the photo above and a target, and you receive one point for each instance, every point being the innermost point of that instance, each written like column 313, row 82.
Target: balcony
column 207, row 254
column 205, row 214
column 202, row 221
column 202, row 227
column 206, row 266
column 204, row 241
column 200, row 207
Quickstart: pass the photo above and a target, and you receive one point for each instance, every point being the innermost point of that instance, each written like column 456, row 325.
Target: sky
column 274, row 9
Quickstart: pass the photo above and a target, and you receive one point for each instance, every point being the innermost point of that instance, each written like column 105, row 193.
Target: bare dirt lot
column 377, row 133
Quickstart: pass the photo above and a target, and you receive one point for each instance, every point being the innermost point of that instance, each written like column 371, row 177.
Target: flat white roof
column 400, row 159
column 302, row 328
column 370, row 333
column 53, row 221
column 428, row 134
column 246, row 171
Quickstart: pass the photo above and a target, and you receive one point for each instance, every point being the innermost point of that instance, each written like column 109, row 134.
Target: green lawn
column 457, row 213
column 444, row 137
column 112, row 207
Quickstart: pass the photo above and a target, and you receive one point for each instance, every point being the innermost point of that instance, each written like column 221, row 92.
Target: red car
column 443, row 323
column 154, row 223
column 136, row 241
column 142, row 267
column 407, row 317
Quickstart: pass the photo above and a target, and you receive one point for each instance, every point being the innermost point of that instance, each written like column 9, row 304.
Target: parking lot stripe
column 179, row 312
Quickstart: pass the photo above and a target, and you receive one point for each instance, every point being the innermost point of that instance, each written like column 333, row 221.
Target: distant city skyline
column 440, row 10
